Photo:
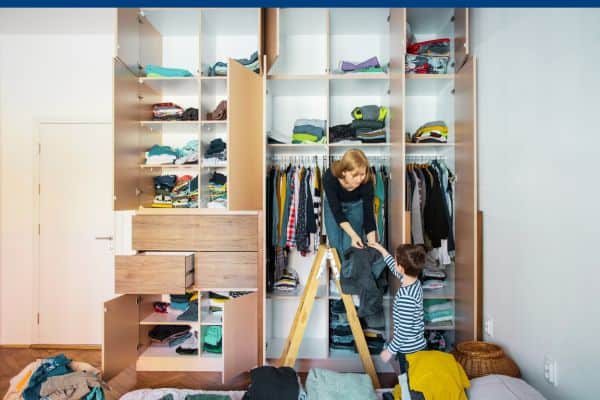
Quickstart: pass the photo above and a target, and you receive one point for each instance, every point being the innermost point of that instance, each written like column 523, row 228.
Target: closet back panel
column 228, row 33
column 358, row 34
column 303, row 39
column 290, row 100
column 150, row 43
column 128, row 38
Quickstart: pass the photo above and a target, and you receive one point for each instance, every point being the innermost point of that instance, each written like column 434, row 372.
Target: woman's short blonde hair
column 352, row 160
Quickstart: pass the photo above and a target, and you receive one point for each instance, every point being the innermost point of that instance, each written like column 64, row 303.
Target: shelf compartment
column 169, row 318
column 440, row 326
column 428, row 84
column 162, row 358
column 173, row 86
column 309, row 348
column 170, row 166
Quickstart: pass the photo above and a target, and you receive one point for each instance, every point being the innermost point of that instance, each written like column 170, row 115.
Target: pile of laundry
column 172, row 191
column 369, row 65
column 56, row 378
column 216, row 153
column 428, row 57
column 173, row 112
column 155, row 71
column 182, row 337
column 164, row 155
column 220, row 67
column 217, row 191
column 367, row 126
column 431, row 132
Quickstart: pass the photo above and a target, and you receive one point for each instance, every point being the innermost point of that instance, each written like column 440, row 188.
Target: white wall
column 539, row 189
column 55, row 64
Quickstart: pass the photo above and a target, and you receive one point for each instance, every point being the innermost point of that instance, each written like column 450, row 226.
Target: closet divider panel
column 397, row 110
column 461, row 36
column 126, row 137
column 466, row 201
column 148, row 136
column 128, row 39
column 240, row 334
column 245, row 183
column 270, row 36
column 121, row 335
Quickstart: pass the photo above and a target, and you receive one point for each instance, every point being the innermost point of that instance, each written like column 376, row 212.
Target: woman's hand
column 371, row 238
column 385, row 356
column 357, row 241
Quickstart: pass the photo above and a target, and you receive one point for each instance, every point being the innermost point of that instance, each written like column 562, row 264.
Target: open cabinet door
column 465, row 109
column 121, row 335
column 397, row 51
column 270, row 36
column 128, row 38
column 240, row 336
column 150, row 43
column 245, row 183
column 126, row 138
column 461, row 37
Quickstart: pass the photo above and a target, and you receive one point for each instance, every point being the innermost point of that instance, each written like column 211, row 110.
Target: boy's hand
column 379, row 248
column 386, row 356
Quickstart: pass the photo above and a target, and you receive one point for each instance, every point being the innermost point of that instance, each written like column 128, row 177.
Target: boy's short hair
column 412, row 258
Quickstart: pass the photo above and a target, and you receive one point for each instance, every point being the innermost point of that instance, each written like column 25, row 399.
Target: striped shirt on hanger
column 409, row 327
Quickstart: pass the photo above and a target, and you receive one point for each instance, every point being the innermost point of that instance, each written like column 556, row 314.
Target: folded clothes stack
column 367, row 126
column 431, row 132
column 289, row 281
column 369, row 65
column 217, row 191
column 308, row 131
column 438, row 310
column 155, row 71
column 428, row 57
column 216, row 151
column 220, row 68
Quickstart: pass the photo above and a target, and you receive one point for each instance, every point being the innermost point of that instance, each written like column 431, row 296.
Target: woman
column 349, row 212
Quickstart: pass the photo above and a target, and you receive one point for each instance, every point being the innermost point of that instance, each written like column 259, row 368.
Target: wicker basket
column 480, row 358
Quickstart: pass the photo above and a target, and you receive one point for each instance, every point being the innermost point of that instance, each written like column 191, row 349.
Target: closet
column 209, row 246
column 304, row 81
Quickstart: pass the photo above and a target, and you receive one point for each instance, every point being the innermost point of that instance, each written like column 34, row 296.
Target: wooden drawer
column 221, row 270
column 154, row 273
column 195, row 232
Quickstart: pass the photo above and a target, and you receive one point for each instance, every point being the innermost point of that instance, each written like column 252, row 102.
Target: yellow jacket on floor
column 437, row 375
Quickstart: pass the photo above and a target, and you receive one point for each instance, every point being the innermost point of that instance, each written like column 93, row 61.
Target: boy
column 408, row 305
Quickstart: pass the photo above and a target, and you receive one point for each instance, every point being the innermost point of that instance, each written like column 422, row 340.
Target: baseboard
column 66, row 346
column 15, row 346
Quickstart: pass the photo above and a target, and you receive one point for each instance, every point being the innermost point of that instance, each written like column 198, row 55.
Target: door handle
column 104, row 238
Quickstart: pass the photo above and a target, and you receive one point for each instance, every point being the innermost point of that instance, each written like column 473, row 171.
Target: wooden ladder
column 292, row 344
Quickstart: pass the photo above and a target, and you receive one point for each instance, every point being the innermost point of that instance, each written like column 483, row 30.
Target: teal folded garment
column 309, row 129
column 167, row 72
column 436, row 315
column 158, row 150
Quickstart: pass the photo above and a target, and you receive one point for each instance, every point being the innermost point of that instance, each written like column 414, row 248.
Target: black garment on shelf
column 341, row 132
column 218, row 178
column 270, row 383
column 190, row 114
column 162, row 332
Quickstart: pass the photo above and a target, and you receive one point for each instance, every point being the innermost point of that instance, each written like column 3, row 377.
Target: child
column 408, row 305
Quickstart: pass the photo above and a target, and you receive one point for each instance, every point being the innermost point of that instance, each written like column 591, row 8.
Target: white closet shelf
column 222, row 164
column 419, row 77
column 169, row 318
column 171, row 166
column 286, row 77
column 442, row 326
column 359, row 144
column 305, row 146
column 173, row 86
column 213, row 78
column 213, row 121
column 417, row 145
column 360, row 75
column 163, row 123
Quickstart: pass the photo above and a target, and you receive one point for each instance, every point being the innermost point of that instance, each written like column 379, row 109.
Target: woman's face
column 353, row 179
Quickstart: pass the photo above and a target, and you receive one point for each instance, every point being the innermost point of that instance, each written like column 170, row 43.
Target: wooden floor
column 14, row 360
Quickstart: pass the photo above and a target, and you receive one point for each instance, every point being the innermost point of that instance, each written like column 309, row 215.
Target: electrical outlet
column 550, row 370
column 489, row 327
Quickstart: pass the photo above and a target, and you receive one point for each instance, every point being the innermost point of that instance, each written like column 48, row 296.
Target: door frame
column 36, row 285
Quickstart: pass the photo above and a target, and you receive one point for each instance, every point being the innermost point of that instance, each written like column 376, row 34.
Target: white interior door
column 76, row 261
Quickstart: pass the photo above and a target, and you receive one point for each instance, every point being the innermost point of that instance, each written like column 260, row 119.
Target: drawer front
column 154, row 274
column 195, row 232
column 221, row 270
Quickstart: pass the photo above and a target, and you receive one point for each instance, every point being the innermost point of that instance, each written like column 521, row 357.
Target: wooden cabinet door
column 466, row 200
column 126, row 138
column 270, row 35
column 128, row 38
column 121, row 335
column 150, row 51
column 397, row 52
column 245, row 183
column 240, row 336
column 461, row 37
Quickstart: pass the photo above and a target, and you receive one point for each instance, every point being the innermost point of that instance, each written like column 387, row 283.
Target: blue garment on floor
column 52, row 366
column 167, row 72
column 95, row 394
